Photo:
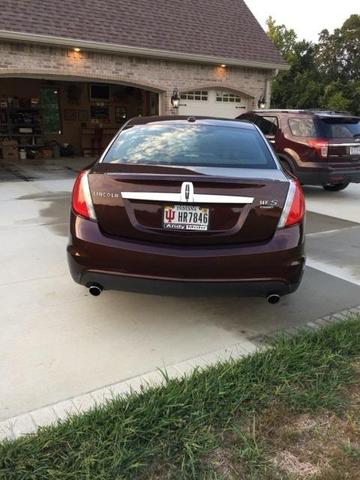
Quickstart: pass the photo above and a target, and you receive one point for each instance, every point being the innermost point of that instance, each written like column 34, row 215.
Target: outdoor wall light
column 262, row 102
column 223, row 65
column 77, row 49
column 175, row 98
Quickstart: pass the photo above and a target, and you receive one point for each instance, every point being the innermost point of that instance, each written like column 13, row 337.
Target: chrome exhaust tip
column 95, row 290
column 273, row 298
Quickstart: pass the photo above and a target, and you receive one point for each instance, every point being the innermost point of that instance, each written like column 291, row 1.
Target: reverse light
column 81, row 197
column 320, row 146
column 294, row 208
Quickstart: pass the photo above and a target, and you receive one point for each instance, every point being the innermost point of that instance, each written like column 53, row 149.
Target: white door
column 214, row 103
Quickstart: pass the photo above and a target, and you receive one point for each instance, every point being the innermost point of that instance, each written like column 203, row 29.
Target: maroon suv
column 187, row 204
column 318, row 147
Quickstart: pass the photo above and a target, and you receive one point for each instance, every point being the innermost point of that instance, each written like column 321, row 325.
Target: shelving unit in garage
column 20, row 127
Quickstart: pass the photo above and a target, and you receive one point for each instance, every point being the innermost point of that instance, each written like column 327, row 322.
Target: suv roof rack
column 294, row 110
column 331, row 112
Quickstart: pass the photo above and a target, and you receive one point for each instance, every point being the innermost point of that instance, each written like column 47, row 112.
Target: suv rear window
column 302, row 127
column 201, row 145
column 340, row 127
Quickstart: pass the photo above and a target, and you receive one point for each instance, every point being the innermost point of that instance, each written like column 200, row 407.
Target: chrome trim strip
column 162, row 197
column 222, row 199
column 344, row 144
column 179, row 198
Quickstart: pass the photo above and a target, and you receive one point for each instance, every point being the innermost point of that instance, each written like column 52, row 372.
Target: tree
column 298, row 87
column 338, row 56
column 339, row 52
column 284, row 39
column 323, row 75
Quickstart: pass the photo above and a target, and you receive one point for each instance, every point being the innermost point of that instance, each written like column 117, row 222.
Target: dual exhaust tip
column 95, row 291
column 273, row 298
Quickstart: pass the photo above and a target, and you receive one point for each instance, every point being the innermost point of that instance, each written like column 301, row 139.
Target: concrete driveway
column 58, row 342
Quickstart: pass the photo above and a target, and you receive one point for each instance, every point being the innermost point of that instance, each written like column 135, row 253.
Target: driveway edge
column 30, row 422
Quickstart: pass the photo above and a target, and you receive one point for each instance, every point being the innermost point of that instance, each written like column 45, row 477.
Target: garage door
column 215, row 103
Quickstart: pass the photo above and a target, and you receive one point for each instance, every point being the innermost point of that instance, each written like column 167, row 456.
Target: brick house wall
column 38, row 61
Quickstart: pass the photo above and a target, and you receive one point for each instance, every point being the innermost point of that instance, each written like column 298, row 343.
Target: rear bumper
column 319, row 174
column 115, row 264
column 111, row 281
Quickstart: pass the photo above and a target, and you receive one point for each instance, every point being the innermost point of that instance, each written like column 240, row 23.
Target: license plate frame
column 190, row 218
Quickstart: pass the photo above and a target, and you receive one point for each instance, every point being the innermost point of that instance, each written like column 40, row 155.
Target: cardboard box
column 10, row 152
column 47, row 153
column 9, row 143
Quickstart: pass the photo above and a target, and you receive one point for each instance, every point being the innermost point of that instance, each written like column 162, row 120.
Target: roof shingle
column 220, row 28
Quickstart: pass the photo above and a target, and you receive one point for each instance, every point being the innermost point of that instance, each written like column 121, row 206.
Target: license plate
column 186, row 217
column 355, row 150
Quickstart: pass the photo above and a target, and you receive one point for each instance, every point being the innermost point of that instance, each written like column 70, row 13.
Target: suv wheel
column 335, row 187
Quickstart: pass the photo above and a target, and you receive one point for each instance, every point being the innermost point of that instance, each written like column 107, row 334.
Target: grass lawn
column 290, row 412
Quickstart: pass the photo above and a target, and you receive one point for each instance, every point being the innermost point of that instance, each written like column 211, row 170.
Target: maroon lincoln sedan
column 188, row 205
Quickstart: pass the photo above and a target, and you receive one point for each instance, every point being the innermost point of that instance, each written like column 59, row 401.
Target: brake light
column 81, row 197
column 294, row 208
column 321, row 147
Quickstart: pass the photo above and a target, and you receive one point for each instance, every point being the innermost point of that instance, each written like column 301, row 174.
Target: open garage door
column 215, row 103
column 50, row 118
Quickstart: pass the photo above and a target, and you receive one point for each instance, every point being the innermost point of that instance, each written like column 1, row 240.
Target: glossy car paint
column 301, row 159
column 127, row 248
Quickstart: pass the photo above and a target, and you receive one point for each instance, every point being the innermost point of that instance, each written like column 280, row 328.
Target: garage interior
column 50, row 119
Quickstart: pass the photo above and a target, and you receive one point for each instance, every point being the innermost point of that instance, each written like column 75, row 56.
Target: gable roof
column 218, row 29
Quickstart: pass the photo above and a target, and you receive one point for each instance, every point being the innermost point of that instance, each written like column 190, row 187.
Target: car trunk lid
column 243, row 206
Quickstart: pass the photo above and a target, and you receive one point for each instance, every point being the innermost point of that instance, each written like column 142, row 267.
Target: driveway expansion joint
column 30, row 422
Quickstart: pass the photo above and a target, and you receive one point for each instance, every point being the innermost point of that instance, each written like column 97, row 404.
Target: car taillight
column 81, row 197
column 294, row 208
column 321, row 147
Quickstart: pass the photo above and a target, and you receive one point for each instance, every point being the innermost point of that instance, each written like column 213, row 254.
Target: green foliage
column 322, row 75
column 283, row 38
column 334, row 98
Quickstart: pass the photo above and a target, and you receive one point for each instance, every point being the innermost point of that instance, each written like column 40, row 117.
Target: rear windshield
column 340, row 127
column 200, row 145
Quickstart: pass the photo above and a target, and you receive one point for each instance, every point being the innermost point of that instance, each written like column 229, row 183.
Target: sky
column 306, row 17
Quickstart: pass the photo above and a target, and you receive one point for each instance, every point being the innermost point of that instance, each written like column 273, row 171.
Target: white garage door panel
column 212, row 106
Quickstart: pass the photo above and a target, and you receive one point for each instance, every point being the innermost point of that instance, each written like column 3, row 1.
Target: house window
column 227, row 97
column 199, row 95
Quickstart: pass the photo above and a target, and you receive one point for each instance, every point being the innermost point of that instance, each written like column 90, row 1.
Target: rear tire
column 335, row 187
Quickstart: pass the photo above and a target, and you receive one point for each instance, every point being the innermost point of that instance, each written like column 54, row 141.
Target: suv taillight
column 294, row 208
column 81, row 197
column 320, row 146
